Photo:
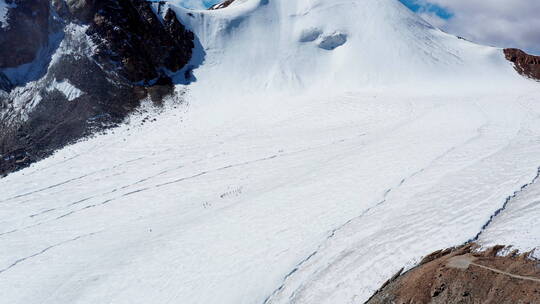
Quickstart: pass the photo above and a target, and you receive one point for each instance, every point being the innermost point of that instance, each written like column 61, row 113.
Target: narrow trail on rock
column 463, row 262
column 516, row 276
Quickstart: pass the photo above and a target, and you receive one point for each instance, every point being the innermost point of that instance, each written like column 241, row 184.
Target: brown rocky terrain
column 463, row 275
column 525, row 64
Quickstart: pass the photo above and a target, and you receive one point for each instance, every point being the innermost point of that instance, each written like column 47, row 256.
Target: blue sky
column 428, row 7
column 209, row 3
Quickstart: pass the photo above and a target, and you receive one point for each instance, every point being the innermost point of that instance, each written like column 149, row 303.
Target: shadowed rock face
column 27, row 32
column 5, row 84
column 143, row 45
column 525, row 64
column 461, row 275
column 113, row 52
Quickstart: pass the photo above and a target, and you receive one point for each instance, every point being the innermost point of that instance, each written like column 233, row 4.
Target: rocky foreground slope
column 71, row 68
column 464, row 275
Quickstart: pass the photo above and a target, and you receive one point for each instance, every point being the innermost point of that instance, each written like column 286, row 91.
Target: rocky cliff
column 71, row 67
column 525, row 64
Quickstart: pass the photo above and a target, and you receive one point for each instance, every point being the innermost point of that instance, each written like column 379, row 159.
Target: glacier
column 291, row 172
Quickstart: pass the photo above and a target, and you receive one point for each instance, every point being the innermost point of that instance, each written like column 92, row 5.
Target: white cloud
column 504, row 23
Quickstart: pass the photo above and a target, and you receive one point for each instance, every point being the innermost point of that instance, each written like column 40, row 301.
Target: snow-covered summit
column 332, row 45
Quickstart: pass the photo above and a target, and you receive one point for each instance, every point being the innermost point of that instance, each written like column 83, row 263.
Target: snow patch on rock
column 65, row 87
column 4, row 9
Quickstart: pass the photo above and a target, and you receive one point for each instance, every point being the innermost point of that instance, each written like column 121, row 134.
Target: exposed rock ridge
column 466, row 275
column 525, row 64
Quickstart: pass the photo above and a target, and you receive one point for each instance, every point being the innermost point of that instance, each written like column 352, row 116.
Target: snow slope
column 516, row 224
column 292, row 174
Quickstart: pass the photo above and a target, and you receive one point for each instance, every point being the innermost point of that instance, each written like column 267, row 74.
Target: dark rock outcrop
column 525, row 64
column 82, row 10
column 221, row 5
column 5, row 84
column 113, row 52
column 463, row 275
column 131, row 39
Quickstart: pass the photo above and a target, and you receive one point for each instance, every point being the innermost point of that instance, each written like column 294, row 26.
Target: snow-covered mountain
column 307, row 151
column 333, row 45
